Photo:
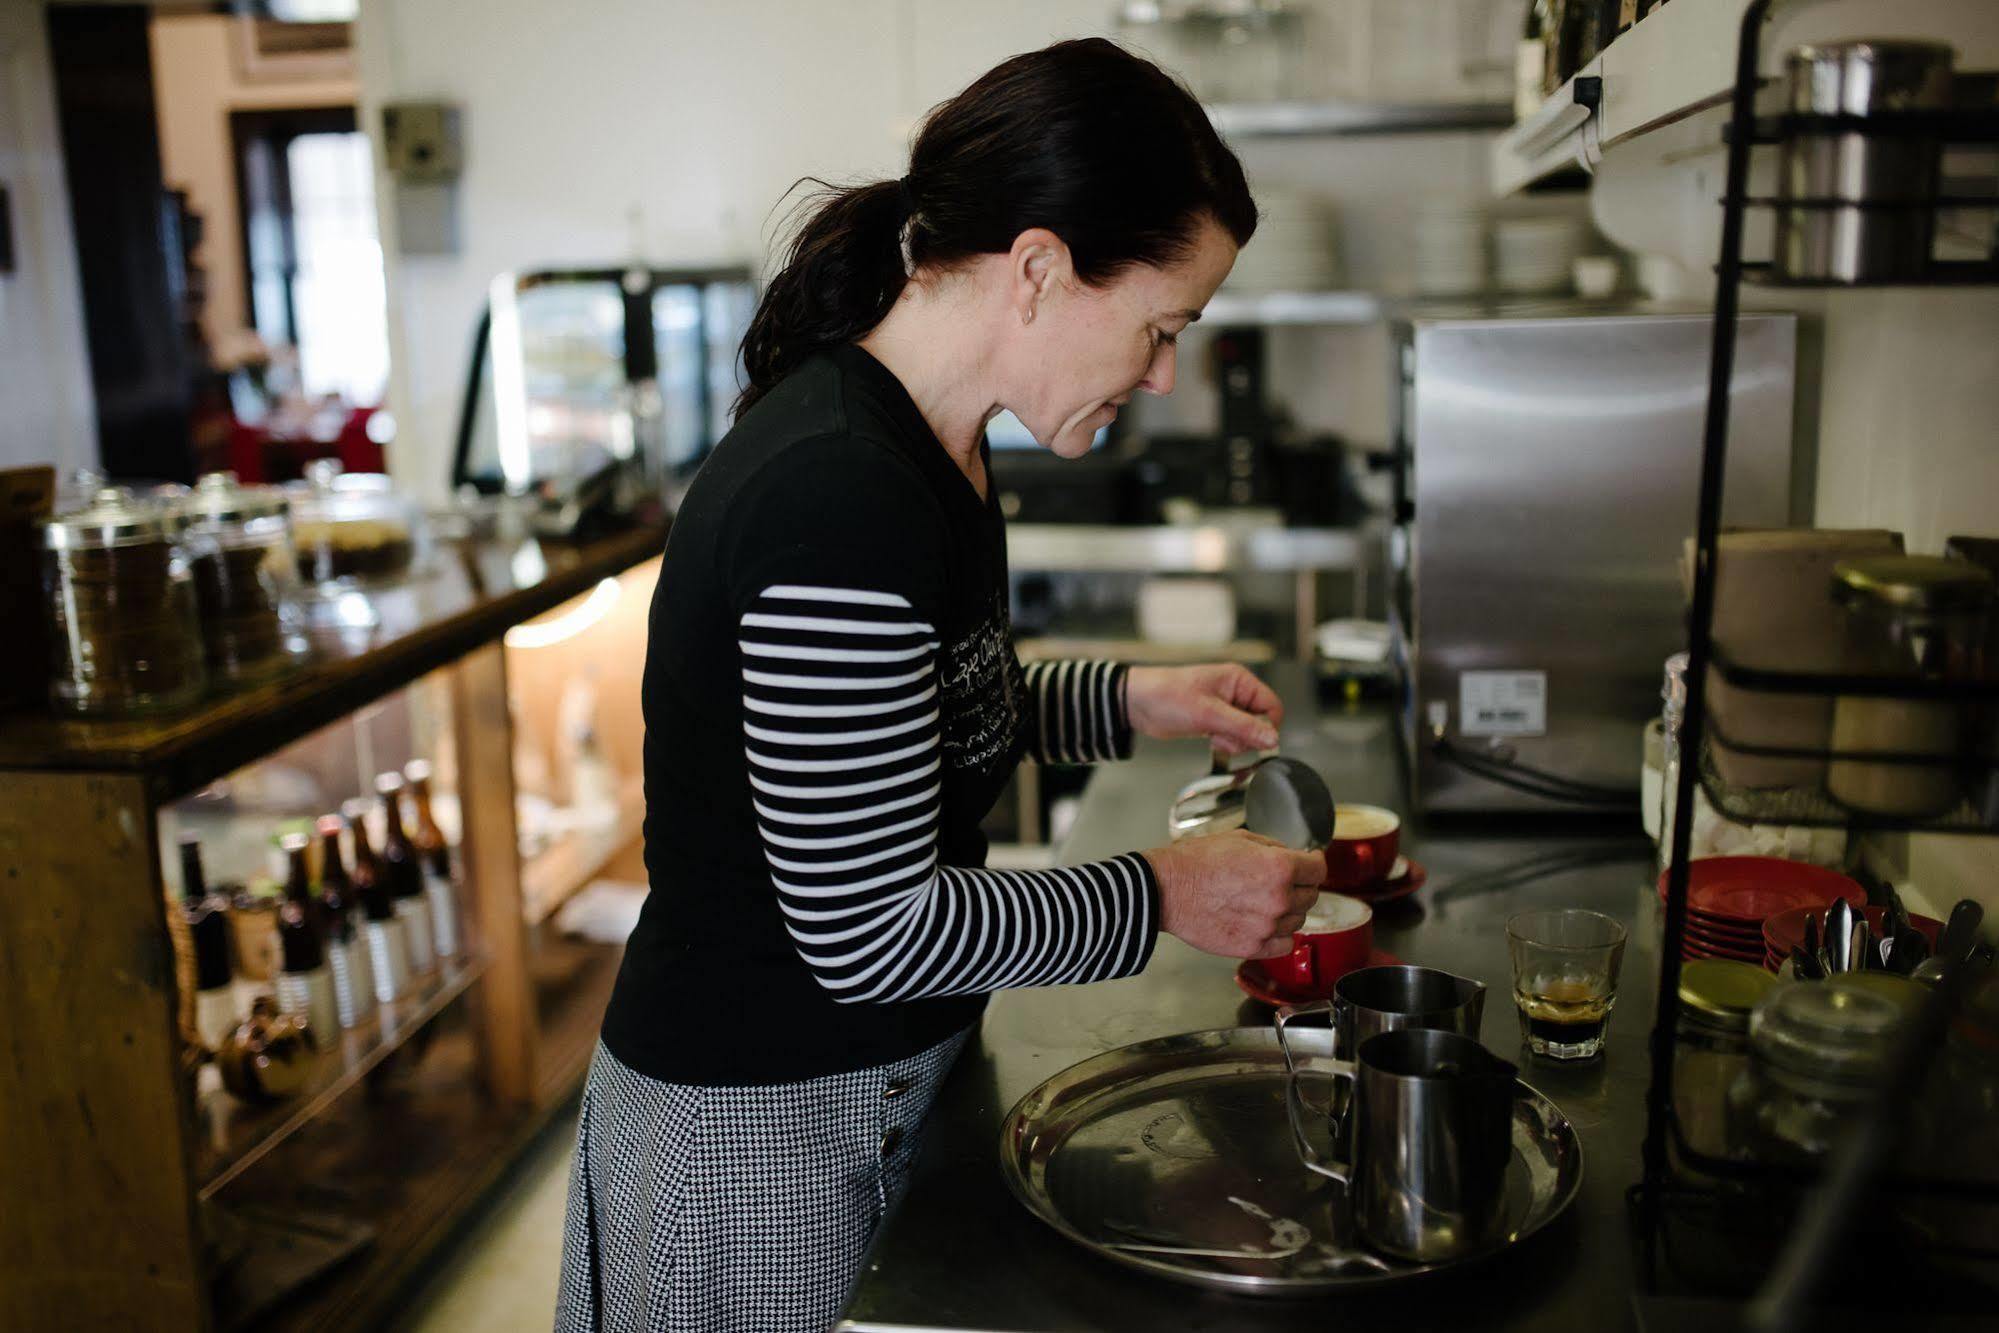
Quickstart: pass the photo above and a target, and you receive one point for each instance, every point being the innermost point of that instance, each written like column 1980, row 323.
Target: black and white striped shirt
column 833, row 706
column 843, row 738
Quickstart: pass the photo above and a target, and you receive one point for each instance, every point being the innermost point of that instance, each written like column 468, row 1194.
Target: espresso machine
column 1547, row 459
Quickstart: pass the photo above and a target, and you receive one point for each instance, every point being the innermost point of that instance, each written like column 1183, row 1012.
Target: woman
column 833, row 703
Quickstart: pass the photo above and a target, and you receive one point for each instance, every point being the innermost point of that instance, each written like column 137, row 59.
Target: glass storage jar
column 353, row 529
column 244, row 572
column 1915, row 617
column 1818, row 1051
column 124, row 632
column 1711, row 1049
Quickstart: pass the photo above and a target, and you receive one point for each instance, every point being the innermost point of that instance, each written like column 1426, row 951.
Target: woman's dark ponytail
column 841, row 274
column 1098, row 145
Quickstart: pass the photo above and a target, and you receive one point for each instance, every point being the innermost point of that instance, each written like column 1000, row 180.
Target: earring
column 1028, row 318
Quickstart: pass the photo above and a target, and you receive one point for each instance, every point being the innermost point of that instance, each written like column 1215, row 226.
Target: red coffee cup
column 1337, row 937
column 1366, row 842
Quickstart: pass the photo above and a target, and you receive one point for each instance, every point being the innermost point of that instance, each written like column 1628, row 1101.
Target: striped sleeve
column 844, row 745
column 1078, row 712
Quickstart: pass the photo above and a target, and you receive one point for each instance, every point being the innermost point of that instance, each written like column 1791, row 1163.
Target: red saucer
column 1388, row 890
column 1746, row 889
column 1744, row 956
column 1254, row 978
column 1705, row 929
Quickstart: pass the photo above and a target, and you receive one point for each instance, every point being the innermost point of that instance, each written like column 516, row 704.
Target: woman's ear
column 1038, row 264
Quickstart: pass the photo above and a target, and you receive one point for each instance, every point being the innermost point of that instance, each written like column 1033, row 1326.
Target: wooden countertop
column 473, row 593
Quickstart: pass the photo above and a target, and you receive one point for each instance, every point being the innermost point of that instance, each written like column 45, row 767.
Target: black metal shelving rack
column 1819, row 1206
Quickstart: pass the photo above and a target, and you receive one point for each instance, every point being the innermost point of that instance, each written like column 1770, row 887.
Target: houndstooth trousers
column 734, row 1209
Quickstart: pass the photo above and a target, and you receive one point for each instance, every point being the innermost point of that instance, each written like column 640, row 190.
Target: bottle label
column 443, row 902
column 388, row 958
column 414, row 913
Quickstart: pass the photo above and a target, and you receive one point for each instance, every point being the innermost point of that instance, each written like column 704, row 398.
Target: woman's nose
column 1159, row 375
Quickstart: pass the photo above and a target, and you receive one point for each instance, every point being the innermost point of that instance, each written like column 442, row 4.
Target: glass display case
column 601, row 388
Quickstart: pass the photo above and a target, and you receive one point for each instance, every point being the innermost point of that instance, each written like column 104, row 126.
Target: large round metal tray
column 1174, row 1157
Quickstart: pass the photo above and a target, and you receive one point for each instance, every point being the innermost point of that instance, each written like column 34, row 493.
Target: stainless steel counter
column 961, row 1253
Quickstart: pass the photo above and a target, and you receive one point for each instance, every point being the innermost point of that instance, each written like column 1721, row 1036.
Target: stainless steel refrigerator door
column 1556, row 465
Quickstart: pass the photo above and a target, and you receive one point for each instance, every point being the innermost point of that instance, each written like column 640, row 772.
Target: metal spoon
column 1805, row 966
column 1860, row 950
column 1895, row 919
column 1839, row 935
column 1961, row 931
column 1906, row 950
column 1812, row 937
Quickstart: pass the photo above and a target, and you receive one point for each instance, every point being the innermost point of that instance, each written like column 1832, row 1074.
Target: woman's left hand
column 1223, row 701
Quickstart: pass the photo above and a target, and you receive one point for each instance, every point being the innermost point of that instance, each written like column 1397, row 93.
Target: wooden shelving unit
column 404, row 1158
column 146, row 1191
column 239, row 1134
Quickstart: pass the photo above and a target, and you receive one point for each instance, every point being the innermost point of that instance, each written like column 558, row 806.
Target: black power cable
column 1533, row 781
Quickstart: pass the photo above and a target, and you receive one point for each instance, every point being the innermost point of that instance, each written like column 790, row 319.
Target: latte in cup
column 1333, row 912
column 1363, row 821
column 1366, row 842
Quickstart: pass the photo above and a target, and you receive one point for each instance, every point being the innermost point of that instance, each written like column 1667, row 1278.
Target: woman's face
column 1082, row 351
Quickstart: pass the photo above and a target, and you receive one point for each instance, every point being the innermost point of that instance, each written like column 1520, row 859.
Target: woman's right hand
column 1237, row 894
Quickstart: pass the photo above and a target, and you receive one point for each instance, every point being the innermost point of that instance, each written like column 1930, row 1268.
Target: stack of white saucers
column 1295, row 247
column 1536, row 255
column 1447, row 249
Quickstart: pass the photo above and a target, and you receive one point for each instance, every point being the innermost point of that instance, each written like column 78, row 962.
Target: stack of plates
column 1536, row 255
column 1295, row 247
column 1786, row 930
column 1447, row 249
column 1729, row 897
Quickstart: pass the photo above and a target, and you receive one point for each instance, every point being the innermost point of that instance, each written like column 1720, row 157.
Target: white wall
column 669, row 129
column 197, row 82
column 46, row 409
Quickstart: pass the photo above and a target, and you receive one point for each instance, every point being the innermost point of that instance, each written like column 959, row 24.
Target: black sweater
column 832, row 704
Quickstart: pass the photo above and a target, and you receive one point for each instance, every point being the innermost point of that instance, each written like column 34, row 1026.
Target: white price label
column 1503, row 703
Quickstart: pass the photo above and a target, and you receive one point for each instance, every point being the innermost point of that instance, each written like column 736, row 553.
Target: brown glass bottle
column 424, row 832
column 207, row 918
column 440, row 882
column 305, row 986
column 298, row 917
column 388, row 947
column 337, row 900
column 339, row 911
column 403, row 870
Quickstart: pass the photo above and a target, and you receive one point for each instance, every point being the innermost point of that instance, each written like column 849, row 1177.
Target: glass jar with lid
column 124, row 631
column 1959, row 1135
column 1916, row 617
column 244, row 571
column 1711, row 1048
column 353, row 530
column 1818, row 1051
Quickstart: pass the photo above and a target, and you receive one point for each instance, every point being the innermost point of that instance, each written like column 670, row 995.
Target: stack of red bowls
column 1729, row 897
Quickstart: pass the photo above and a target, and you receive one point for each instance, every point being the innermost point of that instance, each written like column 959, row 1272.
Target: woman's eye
column 1161, row 338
